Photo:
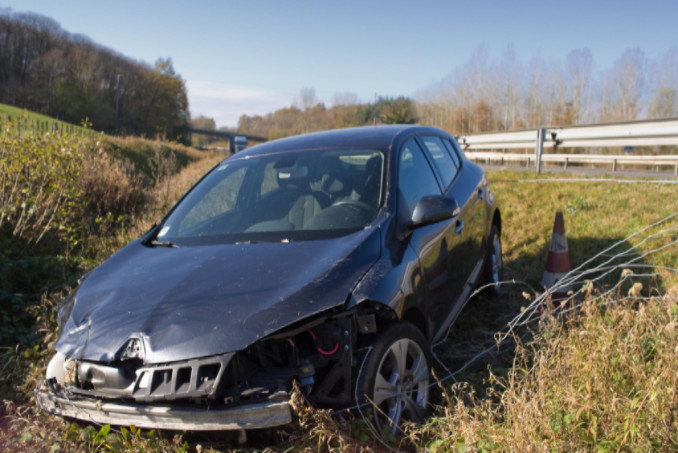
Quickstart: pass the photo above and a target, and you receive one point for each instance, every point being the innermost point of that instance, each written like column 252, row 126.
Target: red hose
column 322, row 351
column 333, row 351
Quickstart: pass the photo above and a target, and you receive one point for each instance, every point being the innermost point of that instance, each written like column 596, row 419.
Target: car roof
column 367, row 137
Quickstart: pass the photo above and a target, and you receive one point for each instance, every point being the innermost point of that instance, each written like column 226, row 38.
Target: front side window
column 415, row 176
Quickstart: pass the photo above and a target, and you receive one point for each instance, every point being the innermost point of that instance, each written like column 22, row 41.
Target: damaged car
column 332, row 260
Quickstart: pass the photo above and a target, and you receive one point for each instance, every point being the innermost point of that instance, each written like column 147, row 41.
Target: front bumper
column 273, row 412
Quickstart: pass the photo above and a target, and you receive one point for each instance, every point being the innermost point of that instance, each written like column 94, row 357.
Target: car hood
column 198, row 301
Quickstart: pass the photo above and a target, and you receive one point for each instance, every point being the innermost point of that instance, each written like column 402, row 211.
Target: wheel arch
column 416, row 317
column 385, row 316
column 496, row 220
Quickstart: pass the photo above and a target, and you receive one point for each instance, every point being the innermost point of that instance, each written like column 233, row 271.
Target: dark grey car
column 333, row 259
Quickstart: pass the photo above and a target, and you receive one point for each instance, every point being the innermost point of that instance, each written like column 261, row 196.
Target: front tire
column 395, row 378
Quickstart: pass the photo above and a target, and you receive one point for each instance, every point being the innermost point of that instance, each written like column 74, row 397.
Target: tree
column 579, row 73
column 664, row 102
column 204, row 123
column 534, row 97
column 398, row 111
column 162, row 105
column 307, row 98
column 509, row 75
column 628, row 78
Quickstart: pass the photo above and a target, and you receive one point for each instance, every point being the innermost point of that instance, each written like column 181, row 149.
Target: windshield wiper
column 157, row 243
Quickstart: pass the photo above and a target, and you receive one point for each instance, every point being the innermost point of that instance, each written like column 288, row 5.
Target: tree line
column 483, row 95
column 45, row 69
column 308, row 115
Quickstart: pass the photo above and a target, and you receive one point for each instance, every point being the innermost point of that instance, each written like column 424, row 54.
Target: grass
column 602, row 378
column 24, row 121
column 596, row 214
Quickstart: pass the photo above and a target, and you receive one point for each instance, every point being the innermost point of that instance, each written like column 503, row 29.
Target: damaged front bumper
column 240, row 390
column 272, row 412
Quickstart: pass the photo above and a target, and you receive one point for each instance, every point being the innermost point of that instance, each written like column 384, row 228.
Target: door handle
column 459, row 226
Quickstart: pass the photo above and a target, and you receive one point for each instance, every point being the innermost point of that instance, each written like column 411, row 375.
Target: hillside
column 46, row 69
column 23, row 122
column 65, row 203
column 601, row 376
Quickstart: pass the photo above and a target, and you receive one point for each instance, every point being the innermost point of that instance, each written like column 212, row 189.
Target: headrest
column 295, row 177
column 296, row 172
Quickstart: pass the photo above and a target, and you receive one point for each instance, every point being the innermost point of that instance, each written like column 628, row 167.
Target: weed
column 579, row 204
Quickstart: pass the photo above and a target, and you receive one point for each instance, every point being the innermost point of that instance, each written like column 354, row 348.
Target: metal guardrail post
column 539, row 148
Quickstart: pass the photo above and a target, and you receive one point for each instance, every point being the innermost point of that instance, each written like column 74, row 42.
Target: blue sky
column 254, row 56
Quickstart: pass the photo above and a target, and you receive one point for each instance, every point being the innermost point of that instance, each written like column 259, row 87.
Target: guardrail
column 566, row 159
column 224, row 134
column 628, row 134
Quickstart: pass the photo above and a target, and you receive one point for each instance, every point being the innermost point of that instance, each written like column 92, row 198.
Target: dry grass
column 160, row 198
column 603, row 379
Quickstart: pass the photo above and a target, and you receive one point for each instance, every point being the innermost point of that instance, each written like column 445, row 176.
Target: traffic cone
column 558, row 261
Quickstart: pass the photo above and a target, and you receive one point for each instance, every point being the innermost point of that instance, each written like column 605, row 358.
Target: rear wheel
column 494, row 265
column 395, row 379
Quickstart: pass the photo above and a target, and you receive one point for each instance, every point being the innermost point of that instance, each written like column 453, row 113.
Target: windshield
column 280, row 197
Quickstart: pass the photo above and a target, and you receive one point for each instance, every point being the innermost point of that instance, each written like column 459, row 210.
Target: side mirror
column 432, row 209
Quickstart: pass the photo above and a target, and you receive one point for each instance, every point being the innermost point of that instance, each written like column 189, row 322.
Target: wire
column 618, row 181
column 614, row 258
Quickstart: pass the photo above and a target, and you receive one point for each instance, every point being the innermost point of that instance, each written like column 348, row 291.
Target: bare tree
column 510, row 88
column 664, row 81
column 628, row 76
column 579, row 75
column 533, row 106
column 345, row 98
column 307, row 99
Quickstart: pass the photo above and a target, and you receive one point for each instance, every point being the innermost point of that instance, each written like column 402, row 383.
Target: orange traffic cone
column 558, row 261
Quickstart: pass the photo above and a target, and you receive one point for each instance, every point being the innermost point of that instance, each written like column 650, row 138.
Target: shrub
column 109, row 186
column 38, row 180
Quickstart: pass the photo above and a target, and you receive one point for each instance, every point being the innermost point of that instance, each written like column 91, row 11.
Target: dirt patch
column 4, row 419
column 4, row 428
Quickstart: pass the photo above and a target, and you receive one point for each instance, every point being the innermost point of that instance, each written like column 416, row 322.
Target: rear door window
column 447, row 168
column 454, row 151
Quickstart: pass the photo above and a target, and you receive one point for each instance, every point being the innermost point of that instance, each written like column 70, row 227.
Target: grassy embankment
column 67, row 203
column 603, row 377
column 25, row 122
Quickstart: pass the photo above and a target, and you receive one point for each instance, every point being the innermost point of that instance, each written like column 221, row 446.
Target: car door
column 434, row 244
column 468, row 228
column 470, row 189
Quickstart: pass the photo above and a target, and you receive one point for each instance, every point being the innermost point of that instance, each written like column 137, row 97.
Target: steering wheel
column 367, row 209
